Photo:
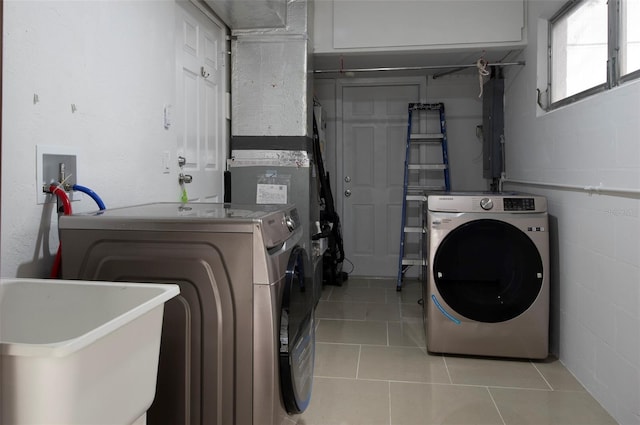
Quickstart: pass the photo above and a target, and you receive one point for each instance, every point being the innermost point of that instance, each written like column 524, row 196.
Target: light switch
column 166, row 159
column 167, row 117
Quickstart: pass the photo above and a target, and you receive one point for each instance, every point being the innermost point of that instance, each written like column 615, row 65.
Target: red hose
column 66, row 208
column 62, row 195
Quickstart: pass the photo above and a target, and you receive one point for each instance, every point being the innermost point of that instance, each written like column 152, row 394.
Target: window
column 593, row 46
column 630, row 38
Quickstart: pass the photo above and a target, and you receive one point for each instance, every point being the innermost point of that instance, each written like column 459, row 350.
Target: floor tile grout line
column 388, row 339
column 389, row 388
column 366, row 344
column 358, row 363
column 496, row 406
column 340, row 343
column 352, row 301
column 446, row 366
column 543, row 377
column 504, row 387
column 329, row 294
column 354, row 320
column 399, row 381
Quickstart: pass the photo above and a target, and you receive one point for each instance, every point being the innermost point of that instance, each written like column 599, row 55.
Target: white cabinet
column 383, row 25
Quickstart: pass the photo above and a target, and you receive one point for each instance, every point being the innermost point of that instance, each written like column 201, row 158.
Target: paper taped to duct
column 271, row 194
column 272, row 188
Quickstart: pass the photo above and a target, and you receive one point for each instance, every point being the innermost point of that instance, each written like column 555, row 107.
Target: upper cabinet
column 347, row 26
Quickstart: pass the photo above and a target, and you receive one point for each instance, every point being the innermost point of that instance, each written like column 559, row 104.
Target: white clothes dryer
column 487, row 286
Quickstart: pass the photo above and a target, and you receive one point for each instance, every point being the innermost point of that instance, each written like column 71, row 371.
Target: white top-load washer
column 238, row 342
column 487, row 286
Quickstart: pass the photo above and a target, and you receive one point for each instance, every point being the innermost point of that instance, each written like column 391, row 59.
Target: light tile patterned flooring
column 372, row 367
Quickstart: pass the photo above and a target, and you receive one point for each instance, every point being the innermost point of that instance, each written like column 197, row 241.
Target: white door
column 201, row 68
column 370, row 168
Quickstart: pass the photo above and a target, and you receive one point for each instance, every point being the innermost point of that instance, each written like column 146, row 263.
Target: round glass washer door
column 297, row 335
column 488, row 271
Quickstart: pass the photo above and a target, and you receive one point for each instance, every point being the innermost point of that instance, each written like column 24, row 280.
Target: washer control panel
column 485, row 202
column 510, row 204
column 519, row 204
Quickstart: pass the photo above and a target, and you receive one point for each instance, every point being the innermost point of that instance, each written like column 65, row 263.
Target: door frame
column 341, row 85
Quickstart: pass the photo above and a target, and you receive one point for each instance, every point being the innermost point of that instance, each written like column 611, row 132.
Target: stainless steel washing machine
column 238, row 343
column 487, row 288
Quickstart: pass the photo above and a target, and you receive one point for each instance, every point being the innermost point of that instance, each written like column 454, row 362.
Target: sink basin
column 76, row 352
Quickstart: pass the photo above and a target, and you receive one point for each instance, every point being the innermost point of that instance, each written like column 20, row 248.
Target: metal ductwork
column 272, row 76
column 251, row 14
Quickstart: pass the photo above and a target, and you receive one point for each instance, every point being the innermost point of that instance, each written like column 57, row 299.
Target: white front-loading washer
column 487, row 286
column 238, row 343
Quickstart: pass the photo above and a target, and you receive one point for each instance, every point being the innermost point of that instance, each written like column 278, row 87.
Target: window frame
column 633, row 75
column 613, row 54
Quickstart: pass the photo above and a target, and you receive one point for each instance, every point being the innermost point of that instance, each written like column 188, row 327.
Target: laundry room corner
column 585, row 159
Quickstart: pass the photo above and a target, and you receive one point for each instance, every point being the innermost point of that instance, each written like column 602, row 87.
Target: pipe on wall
column 589, row 189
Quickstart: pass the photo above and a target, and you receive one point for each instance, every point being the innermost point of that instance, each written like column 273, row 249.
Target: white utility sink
column 76, row 352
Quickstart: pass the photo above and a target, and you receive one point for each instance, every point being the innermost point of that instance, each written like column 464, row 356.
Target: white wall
column 463, row 111
column 595, row 238
column 116, row 62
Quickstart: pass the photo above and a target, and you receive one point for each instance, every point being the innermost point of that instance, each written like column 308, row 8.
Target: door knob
column 347, row 193
column 185, row 178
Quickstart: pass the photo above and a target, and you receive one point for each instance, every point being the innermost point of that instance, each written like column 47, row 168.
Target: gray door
column 371, row 142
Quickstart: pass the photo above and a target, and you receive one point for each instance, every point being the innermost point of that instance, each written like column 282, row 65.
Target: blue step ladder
column 422, row 176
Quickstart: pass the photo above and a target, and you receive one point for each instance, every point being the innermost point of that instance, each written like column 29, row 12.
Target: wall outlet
column 49, row 169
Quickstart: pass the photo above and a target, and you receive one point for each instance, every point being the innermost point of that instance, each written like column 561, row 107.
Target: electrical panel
column 492, row 128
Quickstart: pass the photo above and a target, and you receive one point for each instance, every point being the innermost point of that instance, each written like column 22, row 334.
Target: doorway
column 202, row 74
column 370, row 146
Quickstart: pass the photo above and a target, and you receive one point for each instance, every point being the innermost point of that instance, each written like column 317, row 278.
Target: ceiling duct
column 272, row 77
column 251, row 14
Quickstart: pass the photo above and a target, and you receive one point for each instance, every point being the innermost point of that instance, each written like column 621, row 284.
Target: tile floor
column 372, row 368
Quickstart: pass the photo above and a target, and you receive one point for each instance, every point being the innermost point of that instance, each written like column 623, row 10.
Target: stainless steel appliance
column 280, row 169
column 487, row 287
column 238, row 343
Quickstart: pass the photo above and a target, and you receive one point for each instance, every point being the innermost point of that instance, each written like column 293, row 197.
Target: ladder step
column 414, row 261
column 425, row 106
column 425, row 189
column 427, row 137
column 413, row 189
column 415, row 229
column 427, row 166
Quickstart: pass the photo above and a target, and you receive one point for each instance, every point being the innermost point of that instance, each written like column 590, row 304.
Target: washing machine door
column 488, row 271
column 297, row 334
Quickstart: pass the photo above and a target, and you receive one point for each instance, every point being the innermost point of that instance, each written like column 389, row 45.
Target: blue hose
column 94, row 196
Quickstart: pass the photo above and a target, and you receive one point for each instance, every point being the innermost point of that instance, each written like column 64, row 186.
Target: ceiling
column 250, row 14
column 260, row 14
